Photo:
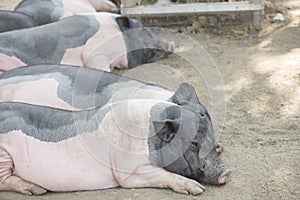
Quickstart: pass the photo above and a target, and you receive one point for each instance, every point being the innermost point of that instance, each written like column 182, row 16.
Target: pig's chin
column 221, row 180
column 211, row 182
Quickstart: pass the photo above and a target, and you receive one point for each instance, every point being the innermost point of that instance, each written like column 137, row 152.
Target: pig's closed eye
column 202, row 116
column 195, row 143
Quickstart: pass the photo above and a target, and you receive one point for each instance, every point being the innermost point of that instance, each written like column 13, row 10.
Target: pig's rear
column 53, row 157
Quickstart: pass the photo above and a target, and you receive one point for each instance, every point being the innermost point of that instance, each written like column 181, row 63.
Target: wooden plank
column 192, row 8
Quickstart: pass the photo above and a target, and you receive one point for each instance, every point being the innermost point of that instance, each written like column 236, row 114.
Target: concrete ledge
column 191, row 8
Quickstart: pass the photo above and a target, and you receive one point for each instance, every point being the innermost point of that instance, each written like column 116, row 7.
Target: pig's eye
column 202, row 116
column 195, row 143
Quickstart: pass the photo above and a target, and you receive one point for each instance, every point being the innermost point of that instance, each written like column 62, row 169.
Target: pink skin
column 72, row 7
column 8, row 63
column 39, row 92
column 103, row 6
column 105, row 50
column 224, row 177
column 100, row 160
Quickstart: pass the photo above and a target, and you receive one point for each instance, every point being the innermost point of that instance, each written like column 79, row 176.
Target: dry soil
column 251, row 86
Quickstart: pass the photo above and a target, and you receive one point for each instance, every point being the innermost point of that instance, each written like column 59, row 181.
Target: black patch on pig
column 48, row 124
column 42, row 11
column 47, row 44
column 10, row 20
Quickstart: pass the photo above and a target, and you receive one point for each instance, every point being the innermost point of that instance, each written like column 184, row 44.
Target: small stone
column 278, row 17
column 259, row 141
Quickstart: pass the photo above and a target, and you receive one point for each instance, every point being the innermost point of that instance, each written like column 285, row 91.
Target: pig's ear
column 185, row 94
column 123, row 22
column 166, row 129
column 165, row 121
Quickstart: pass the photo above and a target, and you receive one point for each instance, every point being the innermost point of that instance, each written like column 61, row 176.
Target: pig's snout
column 219, row 148
column 171, row 47
column 224, row 177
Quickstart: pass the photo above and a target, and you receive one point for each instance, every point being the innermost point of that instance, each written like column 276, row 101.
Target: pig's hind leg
column 10, row 182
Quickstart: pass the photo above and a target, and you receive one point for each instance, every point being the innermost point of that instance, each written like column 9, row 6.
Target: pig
column 99, row 40
column 47, row 11
column 75, row 88
column 15, row 20
column 30, row 13
column 132, row 143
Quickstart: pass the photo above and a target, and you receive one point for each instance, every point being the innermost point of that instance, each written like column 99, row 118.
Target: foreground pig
column 15, row 20
column 75, row 88
column 99, row 40
column 132, row 143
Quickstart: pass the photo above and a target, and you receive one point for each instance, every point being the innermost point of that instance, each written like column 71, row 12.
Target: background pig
column 15, row 20
column 74, row 88
column 99, row 40
column 173, row 135
column 30, row 13
column 47, row 11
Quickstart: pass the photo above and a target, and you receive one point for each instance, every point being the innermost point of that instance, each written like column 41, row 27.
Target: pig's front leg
column 99, row 62
column 152, row 176
column 104, row 6
column 16, row 184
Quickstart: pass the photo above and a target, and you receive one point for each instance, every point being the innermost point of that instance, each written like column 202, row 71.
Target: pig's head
column 143, row 44
column 182, row 140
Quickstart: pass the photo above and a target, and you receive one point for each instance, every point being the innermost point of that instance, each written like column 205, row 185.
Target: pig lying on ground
column 99, row 40
column 75, row 88
column 47, row 11
column 30, row 13
column 132, row 143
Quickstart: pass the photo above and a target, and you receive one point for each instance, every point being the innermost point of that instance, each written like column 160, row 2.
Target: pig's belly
column 61, row 166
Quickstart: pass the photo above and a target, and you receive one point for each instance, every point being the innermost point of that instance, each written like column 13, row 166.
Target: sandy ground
column 260, row 75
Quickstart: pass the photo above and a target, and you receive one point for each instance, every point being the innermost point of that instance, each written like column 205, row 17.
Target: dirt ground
column 257, row 120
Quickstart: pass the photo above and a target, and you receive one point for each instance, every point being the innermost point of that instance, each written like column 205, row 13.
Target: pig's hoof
column 189, row 186
column 32, row 189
